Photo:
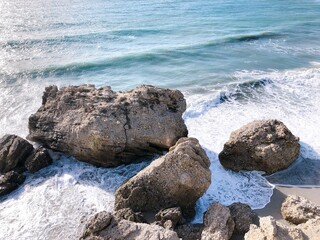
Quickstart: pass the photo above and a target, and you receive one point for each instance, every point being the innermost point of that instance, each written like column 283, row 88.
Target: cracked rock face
column 178, row 178
column 108, row 128
column 265, row 145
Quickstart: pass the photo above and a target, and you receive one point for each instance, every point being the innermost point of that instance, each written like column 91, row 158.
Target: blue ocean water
column 235, row 61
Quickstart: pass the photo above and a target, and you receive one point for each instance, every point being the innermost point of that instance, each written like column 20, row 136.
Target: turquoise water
column 235, row 61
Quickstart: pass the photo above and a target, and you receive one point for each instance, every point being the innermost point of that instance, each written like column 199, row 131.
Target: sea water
column 235, row 61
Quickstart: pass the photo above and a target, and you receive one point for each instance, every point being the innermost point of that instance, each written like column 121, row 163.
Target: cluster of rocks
column 17, row 156
column 107, row 128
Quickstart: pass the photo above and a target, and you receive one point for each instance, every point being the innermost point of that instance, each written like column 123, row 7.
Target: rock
column 189, row 231
column 10, row 181
column 178, row 178
column 218, row 223
column 298, row 210
column 267, row 146
column 13, row 152
column 108, row 128
column 128, row 214
column 170, row 217
column 110, row 228
column 271, row 230
column 242, row 216
column 311, row 228
column 38, row 159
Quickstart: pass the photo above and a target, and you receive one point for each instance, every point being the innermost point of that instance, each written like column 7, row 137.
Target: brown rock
column 10, row 181
column 109, row 128
column 13, row 152
column 110, row 228
column 242, row 216
column 128, row 214
column 260, row 145
column 218, row 223
column 298, row 210
column 38, row 159
column 177, row 179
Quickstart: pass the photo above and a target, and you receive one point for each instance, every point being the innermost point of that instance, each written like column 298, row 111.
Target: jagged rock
column 128, row 214
column 242, row 216
column 271, row 230
column 267, row 146
column 38, row 159
column 13, row 152
column 170, row 217
column 108, row 128
column 298, row 210
column 10, row 181
column 189, row 231
column 311, row 229
column 218, row 223
column 105, row 226
column 178, row 178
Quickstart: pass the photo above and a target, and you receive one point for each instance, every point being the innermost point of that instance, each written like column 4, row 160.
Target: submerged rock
column 104, row 226
column 296, row 209
column 39, row 159
column 178, row 178
column 218, row 223
column 13, row 152
column 267, row 146
column 108, row 128
column 10, row 181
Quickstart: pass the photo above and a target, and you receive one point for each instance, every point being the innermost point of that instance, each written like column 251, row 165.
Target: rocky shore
column 107, row 128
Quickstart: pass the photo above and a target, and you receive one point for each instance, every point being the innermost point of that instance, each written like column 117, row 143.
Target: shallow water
column 235, row 61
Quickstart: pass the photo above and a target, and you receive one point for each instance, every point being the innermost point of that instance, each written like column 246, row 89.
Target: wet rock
column 296, row 209
column 271, row 230
column 242, row 216
column 170, row 217
column 128, row 214
column 39, row 158
column 178, row 178
column 10, row 181
column 109, row 128
column 189, row 231
column 265, row 145
column 109, row 227
column 13, row 152
column 218, row 223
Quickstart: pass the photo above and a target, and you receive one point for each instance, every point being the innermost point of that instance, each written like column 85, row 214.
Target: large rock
column 108, row 128
column 218, row 223
column 10, row 181
column 39, row 158
column 271, row 230
column 178, row 178
column 296, row 209
column 242, row 216
column 13, row 152
column 260, row 145
column 311, row 229
column 104, row 226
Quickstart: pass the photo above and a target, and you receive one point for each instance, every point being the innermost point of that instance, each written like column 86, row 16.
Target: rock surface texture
column 242, row 216
column 169, row 218
column 265, row 145
column 296, row 209
column 38, row 159
column 311, row 229
column 104, row 226
column 189, row 231
column 10, row 181
column 178, row 178
column 218, row 223
column 108, row 128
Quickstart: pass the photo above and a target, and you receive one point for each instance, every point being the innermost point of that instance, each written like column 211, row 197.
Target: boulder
column 39, row 158
column 128, row 214
column 311, row 229
column 13, row 152
column 265, row 145
column 178, row 178
column 170, row 217
column 189, row 231
column 218, row 223
column 107, row 128
column 271, row 230
column 242, row 216
column 10, row 181
column 104, row 226
column 296, row 209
